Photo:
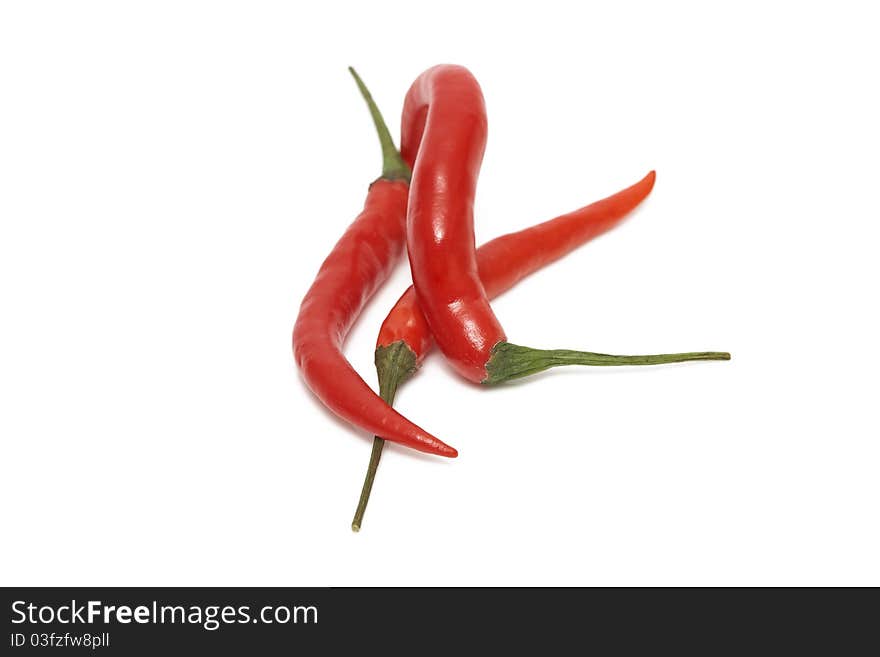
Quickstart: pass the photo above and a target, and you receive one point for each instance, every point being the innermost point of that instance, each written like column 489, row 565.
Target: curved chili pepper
column 444, row 133
column 359, row 263
column 405, row 338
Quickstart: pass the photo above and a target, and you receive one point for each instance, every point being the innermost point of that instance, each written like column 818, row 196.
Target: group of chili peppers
column 424, row 200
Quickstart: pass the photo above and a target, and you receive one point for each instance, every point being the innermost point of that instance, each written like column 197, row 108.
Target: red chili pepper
column 444, row 131
column 405, row 338
column 506, row 260
column 359, row 263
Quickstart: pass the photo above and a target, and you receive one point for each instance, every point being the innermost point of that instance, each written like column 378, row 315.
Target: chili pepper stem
column 510, row 361
column 395, row 363
column 375, row 456
column 393, row 166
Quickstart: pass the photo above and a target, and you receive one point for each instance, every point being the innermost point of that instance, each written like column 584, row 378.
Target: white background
column 173, row 173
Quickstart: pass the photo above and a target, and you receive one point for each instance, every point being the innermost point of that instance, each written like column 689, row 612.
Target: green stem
column 510, row 361
column 394, row 365
column 393, row 166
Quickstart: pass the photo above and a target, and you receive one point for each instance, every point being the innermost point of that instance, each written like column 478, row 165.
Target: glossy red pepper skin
column 443, row 137
column 359, row 263
column 506, row 260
